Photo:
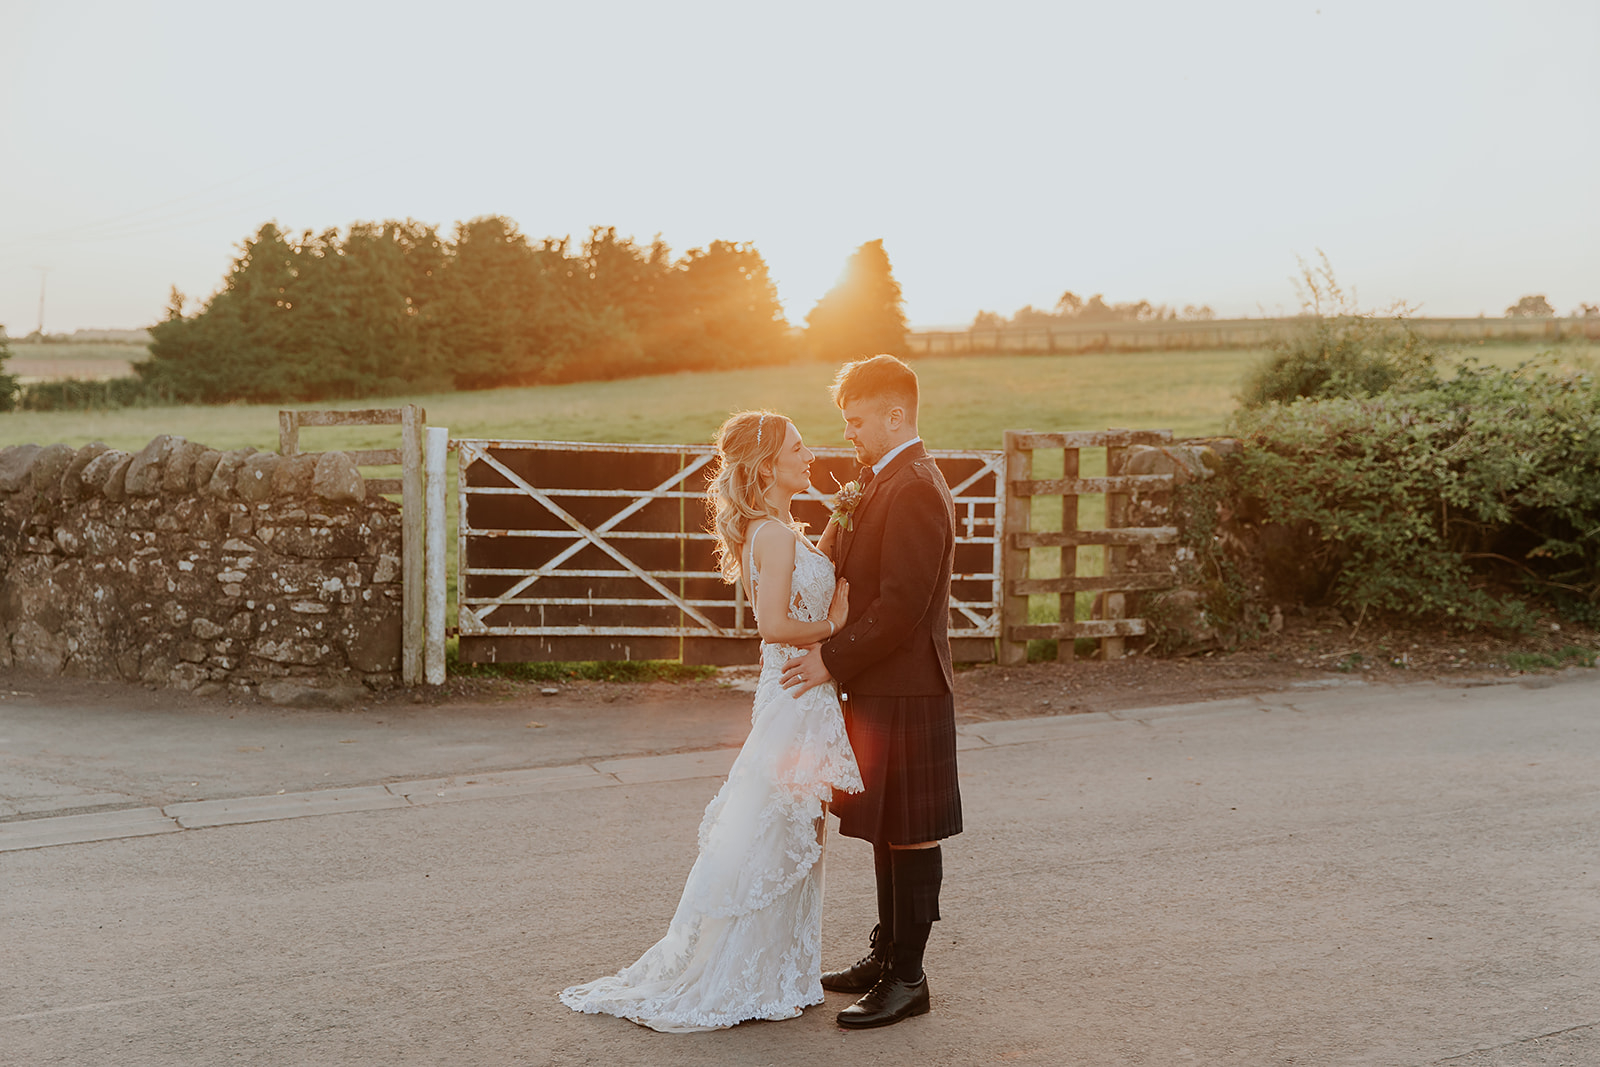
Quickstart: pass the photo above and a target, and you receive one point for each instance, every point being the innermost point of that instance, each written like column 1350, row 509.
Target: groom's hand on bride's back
column 806, row 671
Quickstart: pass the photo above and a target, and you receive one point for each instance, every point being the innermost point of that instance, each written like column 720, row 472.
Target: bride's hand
column 839, row 610
column 830, row 536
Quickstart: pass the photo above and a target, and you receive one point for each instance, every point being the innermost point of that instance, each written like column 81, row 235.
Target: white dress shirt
column 877, row 468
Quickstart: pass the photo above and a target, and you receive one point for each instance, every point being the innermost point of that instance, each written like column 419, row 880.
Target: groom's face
column 871, row 425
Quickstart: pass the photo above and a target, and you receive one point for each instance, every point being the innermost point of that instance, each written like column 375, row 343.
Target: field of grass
column 967, row 402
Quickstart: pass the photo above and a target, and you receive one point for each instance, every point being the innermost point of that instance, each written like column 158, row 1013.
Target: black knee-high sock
column 918, row 874
column 883, row 868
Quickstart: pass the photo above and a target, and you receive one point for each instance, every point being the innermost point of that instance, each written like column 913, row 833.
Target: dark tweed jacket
column 897, row 558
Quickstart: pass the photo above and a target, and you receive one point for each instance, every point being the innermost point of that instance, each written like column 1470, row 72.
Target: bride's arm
column 774, row 551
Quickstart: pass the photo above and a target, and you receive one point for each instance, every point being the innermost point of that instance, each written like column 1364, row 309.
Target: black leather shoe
column 887, row 1003
column 865, row 972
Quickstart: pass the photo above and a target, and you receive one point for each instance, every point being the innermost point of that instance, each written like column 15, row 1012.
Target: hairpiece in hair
column 759, row 421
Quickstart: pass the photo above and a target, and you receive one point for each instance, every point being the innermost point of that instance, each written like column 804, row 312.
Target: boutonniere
column 845, row 502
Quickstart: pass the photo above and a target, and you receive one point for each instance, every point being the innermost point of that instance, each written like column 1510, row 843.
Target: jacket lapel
column 896, row 465
column 848, row 533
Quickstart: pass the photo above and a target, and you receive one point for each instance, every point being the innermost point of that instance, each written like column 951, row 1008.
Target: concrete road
column 1349, row 875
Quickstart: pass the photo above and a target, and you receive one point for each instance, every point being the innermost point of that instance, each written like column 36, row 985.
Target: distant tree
column 229, row 349
column 864, row 314
column 392, row 307
column 1097, row 310
column 307, row 318
column 724, row 312
column 626, row 277
column 8, row 382
column 1197, row 313
column 1028, row 315
column 1587, row 311
column 1071, row 308
column 508, row 313
column 1531, row 307
column 363, row 301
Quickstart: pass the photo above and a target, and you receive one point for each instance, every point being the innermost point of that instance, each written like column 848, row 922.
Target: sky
column 1445, row 154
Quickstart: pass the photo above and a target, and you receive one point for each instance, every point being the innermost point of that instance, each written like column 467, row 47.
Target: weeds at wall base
column 653, row 670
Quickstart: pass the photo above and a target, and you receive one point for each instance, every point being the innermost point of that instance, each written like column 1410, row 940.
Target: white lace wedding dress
column 745, row 942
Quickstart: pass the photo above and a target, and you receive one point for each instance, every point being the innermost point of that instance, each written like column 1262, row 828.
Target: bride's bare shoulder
column 772, row 537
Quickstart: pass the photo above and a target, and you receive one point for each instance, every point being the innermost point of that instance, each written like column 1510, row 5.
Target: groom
column 893, row 660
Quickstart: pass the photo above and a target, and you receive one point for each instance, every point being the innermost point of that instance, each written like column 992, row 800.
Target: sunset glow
column 1169, row 152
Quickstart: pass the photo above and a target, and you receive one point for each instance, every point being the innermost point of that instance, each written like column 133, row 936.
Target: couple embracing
column 854, row 708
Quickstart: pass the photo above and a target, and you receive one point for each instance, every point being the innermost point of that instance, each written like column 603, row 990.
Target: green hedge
column 70, row 394
column 1453, row 501
column 1352, row 355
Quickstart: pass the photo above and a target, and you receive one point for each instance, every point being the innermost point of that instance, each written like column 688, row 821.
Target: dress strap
column 750, row 554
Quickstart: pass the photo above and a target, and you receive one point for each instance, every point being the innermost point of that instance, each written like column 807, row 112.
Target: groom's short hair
column 881, row 378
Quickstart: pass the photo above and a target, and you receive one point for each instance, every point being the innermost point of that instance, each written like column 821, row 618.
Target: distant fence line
column 1219, row 333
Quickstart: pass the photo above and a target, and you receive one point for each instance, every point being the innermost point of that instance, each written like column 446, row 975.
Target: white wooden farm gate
column 572, row 551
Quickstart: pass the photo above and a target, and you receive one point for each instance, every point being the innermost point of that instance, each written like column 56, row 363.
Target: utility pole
column 44, row 272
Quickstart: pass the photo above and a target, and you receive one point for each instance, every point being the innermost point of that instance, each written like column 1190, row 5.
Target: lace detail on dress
column 746, row 940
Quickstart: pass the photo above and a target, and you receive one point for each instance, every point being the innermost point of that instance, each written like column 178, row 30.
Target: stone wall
column 203, row 570
column 1217, row 592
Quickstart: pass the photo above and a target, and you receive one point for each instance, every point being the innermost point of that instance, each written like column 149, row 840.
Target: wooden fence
column 409, row 457
column 1111, row 624
column 1067, row 337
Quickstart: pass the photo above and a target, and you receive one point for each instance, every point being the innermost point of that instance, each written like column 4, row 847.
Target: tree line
column 1072, row 309
column 390, row 307
column 1538, row 306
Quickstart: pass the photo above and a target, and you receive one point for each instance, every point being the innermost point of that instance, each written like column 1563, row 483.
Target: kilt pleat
column 906, row 749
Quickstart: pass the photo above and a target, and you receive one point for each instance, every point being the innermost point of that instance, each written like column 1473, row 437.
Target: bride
column 745, row 942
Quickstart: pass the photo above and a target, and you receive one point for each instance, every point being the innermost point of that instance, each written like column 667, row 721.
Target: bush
column 1566, row 656
column 70, row 394
column 1417, row 499
column 1345, row 356
column 1340, row 351
column 638, row 670
column 8, row 382
column 1222, row 581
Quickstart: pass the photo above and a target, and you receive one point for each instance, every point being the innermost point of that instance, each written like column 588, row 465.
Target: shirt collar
column 877, row 468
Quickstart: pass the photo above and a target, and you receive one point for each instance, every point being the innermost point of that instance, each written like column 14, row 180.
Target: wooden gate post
column 1115, row 602
column 413, row 516
column 412, row 420
column 1066, row 649
column 433, row 653
column 1019, row 512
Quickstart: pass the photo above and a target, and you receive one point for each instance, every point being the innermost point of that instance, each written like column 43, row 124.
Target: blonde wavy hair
column 737, row 495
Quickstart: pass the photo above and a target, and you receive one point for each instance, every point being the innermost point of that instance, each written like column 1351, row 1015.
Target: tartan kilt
column 906, row 749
